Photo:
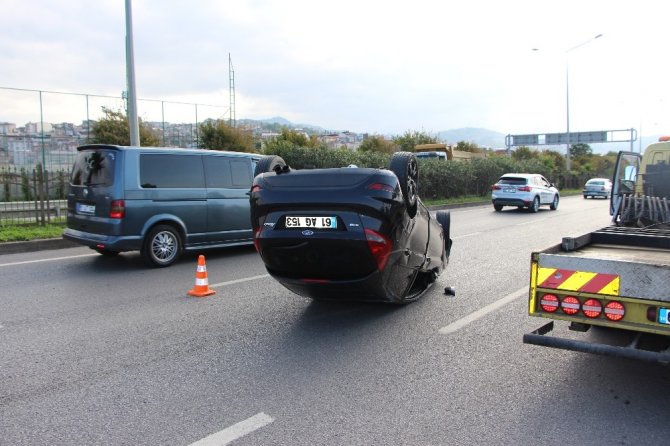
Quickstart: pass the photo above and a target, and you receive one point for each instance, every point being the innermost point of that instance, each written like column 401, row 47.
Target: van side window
column 171, row 171
column 224, row 172
column 217, row 171
column 241, row 174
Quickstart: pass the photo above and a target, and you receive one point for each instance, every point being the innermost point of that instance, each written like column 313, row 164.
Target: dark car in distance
column 348, row 233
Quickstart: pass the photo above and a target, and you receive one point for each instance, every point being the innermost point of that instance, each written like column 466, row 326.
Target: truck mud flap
column 631, row 351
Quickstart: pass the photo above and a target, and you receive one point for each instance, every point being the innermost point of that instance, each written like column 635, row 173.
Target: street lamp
column 567, row 99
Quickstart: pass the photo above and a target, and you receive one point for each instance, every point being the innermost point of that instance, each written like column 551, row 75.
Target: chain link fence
column 41, row 130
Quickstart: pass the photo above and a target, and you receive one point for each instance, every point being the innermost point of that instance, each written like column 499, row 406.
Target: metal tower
column 231, row 91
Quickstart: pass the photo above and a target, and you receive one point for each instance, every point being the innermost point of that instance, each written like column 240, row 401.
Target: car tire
column 535, row 206
column 497, row 207
column 106, row 252
column 554, row 204
column 162, row 246
column 585, row 197
column 270, row 163
column 405, row 167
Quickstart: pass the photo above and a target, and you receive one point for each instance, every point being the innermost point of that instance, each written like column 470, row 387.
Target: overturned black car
column 348, row 233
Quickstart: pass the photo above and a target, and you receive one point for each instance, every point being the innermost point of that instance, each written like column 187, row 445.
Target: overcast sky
column 361, row 65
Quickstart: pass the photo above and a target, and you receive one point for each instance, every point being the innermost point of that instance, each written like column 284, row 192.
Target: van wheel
column 405, row 167
column 270, row 163
column 162, row 246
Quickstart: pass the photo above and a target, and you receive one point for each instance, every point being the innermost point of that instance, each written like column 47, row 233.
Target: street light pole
column 567, row 100
column 133, row 123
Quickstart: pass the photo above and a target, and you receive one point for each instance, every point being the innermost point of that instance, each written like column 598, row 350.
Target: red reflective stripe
column 557, row 278
column 599, row 282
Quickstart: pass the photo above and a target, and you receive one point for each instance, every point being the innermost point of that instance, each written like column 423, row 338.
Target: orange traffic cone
column 201, row 288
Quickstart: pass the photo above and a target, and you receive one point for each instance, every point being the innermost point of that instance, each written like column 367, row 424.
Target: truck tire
column 270, row 163
column 405, row 167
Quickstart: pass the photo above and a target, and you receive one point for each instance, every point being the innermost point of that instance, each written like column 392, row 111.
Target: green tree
column 290, row 138
column 580, row 150
column 113, row 129
column 377, row 143
column 218, row 135
column 465, row 146
column 524, row 153
column 407, row 141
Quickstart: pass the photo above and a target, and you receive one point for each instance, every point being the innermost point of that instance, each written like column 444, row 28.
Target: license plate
column 510, row 189
column 311, row 222
column 664, row 316
column 85, row 209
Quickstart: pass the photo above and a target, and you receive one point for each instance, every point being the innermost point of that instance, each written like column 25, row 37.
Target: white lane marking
column 235, row 431
column 455, row 326
column 48, row 260
column 232, row 282
column 466, row 235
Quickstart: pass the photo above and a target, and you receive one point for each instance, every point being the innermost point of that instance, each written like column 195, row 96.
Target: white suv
column 524, row 190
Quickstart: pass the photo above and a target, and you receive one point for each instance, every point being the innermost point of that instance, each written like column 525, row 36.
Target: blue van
column 159, row 201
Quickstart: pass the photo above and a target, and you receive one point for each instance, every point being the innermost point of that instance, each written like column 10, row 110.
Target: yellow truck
column 608, row 292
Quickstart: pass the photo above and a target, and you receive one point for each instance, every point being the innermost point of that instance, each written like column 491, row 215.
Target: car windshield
column 596, row 182
column 516, row 181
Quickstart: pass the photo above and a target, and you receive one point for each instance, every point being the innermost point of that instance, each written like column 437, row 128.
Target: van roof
column 166, row 150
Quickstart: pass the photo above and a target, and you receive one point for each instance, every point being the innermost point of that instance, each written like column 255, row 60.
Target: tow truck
column 613, row 283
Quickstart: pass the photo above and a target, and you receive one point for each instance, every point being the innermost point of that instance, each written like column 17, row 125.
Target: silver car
column 597, row 187
column 524, row 190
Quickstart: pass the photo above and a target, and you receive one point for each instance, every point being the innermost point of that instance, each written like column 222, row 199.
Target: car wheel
column 535, row 206
column 106, row 252
column 554, row 204
column 270, row 163
column 405, row 167
column 498, row 207
column 162, row 246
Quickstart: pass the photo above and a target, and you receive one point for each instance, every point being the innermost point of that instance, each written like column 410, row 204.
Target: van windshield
column 93, row 168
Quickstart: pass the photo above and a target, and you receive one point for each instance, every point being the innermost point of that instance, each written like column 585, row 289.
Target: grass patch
column 19, row 233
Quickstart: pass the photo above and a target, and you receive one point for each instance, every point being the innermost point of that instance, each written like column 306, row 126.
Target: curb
column 35, row 245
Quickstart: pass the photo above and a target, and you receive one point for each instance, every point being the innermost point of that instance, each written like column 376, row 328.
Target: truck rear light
column 615, row 311
column 592, row 308
column 117, row 209
column 524, row 189
column 380, row 247
column 570, row 305
column 549, row 303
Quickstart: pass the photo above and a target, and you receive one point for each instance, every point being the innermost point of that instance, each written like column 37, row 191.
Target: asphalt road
column 97, row 350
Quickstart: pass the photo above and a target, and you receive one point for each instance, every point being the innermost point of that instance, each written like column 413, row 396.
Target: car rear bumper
column 511, row 202
column 596, row 193
column 112, row 243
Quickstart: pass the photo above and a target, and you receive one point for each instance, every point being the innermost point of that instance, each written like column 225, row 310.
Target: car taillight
column 524, row 189
column 380, row 247
column 615, row 311
column 117, row 209
column 381, row 186
column 592, row 308
column 570, row 305
column 549, row 303
column 257, row 242
column 495, row 187
column 255, row 188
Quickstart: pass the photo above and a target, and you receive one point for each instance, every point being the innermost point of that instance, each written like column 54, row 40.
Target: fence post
column 46, row 190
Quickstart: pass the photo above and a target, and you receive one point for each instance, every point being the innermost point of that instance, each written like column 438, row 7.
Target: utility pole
column 231, row 91
column 133, row 123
